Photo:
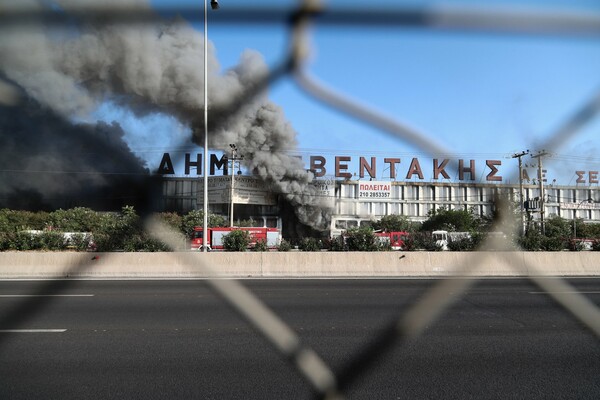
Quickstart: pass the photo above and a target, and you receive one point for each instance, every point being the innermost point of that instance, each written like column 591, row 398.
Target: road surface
column 174, row 339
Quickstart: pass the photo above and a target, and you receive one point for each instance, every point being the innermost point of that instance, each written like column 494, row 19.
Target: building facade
column 356, row 202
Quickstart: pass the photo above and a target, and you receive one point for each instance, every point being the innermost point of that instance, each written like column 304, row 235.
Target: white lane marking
column 47, row 295
column 32, row 330
column 573, row 292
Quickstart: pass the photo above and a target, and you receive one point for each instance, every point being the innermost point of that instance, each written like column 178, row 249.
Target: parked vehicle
column 395, row 239
column 582, row 244
column 71, row 240
column 272, row 237
column 442, row 238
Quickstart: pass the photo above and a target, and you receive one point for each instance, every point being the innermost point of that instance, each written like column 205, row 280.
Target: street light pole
column 521, row 201
column 539, row 156
column 214, row 5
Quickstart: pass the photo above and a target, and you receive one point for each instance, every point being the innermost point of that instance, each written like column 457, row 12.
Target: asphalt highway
column 175, row 339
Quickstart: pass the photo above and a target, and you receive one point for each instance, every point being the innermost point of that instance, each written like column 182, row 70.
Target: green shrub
column 423, row 241
column 104, row 242
column 310, row 244
column 531, row 241
column 172, row 219
column 337, row 244
column 467, row 243
column 362, row 239
column 17, row 220
column 51, row 240
column 78, row 219
column 554, row 244
column 81, row 242
column 261, row 245
column 384, row 245
column 23, row 241
column 284, row 245
column 236, row 240
column 133, row 243
column 143, row 242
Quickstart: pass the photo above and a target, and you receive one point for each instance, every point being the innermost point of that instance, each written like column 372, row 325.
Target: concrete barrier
column 29, row 265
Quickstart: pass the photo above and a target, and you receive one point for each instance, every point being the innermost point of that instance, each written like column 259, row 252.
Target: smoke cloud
column 158, row 68
column 48, row 162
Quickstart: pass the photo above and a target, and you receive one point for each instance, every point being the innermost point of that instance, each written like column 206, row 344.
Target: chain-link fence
column 291, row 66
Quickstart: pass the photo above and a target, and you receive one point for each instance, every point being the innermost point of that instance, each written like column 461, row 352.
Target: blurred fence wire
column 426, row 310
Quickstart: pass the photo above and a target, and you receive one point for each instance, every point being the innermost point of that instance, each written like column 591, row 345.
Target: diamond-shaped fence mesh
column 435, row 301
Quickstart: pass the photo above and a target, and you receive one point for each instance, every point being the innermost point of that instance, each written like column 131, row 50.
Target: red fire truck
column 395, row 239
column 272, row 236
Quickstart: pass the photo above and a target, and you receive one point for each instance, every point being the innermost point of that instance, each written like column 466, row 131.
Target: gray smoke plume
column 158, row 68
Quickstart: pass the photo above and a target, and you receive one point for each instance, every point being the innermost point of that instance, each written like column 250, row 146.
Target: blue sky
column 485, row 96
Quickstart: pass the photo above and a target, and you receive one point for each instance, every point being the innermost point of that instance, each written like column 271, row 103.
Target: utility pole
column 521, row 201
column 541, row 184
column 233, row 159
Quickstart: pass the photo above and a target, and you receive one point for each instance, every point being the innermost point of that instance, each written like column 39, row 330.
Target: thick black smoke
column 47, row 162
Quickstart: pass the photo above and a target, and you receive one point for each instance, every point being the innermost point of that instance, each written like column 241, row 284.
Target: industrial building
column 354, row 202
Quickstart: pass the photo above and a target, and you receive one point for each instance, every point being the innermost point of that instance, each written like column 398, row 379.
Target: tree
column 16, row 220
column 196, row 218
column 362, row 239
column 116, row 228
column 79, row 219
column 393, row 223
column 171, row 219
column 558, row 227
column 451, row 220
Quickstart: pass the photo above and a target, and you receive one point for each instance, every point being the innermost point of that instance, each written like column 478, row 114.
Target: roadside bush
column 337, row 244
column 104, row 242
column 423, row 241
column 236, row 241
column 50, row 240
column 144, row 243
column 17, row 220
column 3, row 241
column 464, row 244
column 21, row 241
column 81, row 242
column 554, row 244
column 362, row 239
column 467, row 243
column 384, row 246
column 409, row 242
column 310, row 244
column 531, row 241
column 575, row 245
column 172, row 219
column 77, row 219
column 261, row 245
column 153, row 244
column 284, row 245
column 393, row 223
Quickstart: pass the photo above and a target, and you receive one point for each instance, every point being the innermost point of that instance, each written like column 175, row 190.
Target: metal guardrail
column 433, row 303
